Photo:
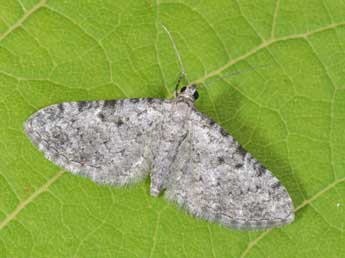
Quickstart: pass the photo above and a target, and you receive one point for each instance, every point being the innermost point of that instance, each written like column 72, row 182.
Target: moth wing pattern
column 222, row 182
column 198, row 164
column 107, row 141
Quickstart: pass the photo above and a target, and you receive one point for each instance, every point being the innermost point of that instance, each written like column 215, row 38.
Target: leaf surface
column 288, row 112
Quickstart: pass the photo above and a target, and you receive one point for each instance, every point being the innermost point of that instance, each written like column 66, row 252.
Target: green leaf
column 288, row 112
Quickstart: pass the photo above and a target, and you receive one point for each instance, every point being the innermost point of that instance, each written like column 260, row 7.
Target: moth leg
column 163, row 161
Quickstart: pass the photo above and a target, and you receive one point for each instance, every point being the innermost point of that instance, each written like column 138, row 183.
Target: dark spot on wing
column 211, row 122
column 134, row 100
column 223, row 132
column 110, row 103
column 220, row 160
column 61, row 107
column 119, row 122
column 260, row 170
column 142, row 112
column 101, row 116
column 239, row 165
column 97, row 103
column 82, row 105
column 241, row 151
column 276, row 185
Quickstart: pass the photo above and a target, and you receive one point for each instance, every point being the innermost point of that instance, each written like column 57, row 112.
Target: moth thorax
column 189, row 92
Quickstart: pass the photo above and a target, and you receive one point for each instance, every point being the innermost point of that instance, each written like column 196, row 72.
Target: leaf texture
column 288, row 112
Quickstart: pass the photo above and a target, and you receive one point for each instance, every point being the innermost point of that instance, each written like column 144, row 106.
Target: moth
column 190, row 159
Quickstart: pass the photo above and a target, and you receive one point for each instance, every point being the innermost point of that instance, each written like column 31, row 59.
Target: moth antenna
column 230, row 74
column 183, row 71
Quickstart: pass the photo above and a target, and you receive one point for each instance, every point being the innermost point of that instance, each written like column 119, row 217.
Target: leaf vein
column 274, row 20
column 264, row 45
column 30, row 199
column 23, row 19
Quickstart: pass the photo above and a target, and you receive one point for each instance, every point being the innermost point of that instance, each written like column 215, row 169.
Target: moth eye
column 183, row 89
column 196, row 95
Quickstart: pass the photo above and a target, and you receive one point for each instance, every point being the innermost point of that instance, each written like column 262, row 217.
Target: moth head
column 189, row 92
